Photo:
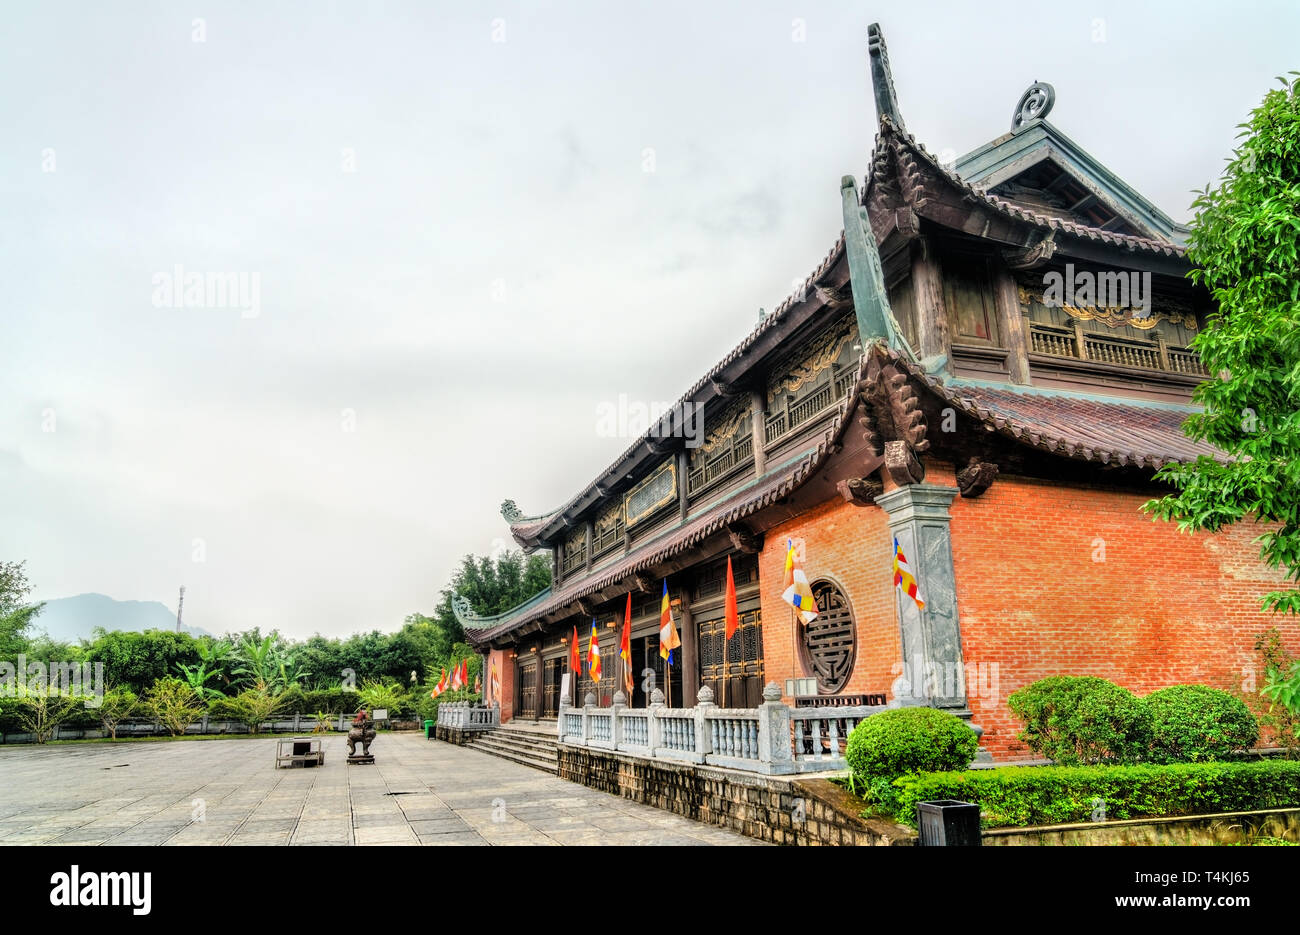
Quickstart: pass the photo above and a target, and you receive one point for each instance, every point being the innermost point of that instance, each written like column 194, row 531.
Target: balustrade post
column 616, row 720
column 564, row 709
column 703, row 739
column 774, row 731
column 588, row 705
column 653, row 723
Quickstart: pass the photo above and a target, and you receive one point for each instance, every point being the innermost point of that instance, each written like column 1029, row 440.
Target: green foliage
column 324, row 723
column 1193, row 723
column 389, row 696
column 1035, row 795
column 909, row 740
column 1245, row 244
column 1082, row 719
column 137, row 660
column 117, row 705
column 252, row 707
column 491, row 587
column 173, row 704
column 15, row 615
column 41, row 707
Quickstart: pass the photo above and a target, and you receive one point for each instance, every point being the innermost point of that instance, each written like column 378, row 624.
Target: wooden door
column 528, row 690
column 743, row 662
column 551, row 687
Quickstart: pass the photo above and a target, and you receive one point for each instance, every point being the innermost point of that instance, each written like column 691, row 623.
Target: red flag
column 575, row 658
column 732, row 613
column 625, row 648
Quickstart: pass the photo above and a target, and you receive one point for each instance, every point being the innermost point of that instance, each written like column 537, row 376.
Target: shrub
column 253, row 707
column 1076, row 719
column 1193, row 723
column 1034, row 795
column 908, row 740
column 173, row 704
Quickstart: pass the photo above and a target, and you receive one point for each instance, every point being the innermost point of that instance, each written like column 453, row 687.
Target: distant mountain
column 72, row 618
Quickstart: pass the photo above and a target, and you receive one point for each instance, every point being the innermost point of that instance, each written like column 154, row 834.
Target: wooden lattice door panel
column 829, row 644
column 551, row 687
column 528, row 691
column 744, row 660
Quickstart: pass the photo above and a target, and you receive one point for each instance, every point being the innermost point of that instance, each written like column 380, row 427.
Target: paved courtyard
column 228, row 792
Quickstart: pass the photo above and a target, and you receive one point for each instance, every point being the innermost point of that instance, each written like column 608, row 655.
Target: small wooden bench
column 302, row 751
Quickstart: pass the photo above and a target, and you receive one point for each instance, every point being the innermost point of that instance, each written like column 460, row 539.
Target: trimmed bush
column 909, row 740
column 1075, row 719
column 1195, row 723
column 1038, row 795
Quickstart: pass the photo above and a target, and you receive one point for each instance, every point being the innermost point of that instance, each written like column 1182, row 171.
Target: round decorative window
column 830, row 642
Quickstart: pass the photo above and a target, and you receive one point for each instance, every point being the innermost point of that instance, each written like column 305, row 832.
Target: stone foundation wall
column 777, row 810
column 1201, row 830
column 453, row 735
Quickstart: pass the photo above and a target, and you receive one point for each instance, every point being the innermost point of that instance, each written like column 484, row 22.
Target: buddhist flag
column 797, row 592
column 732, row 613
column 493, row 681
column 593, row 652
column 478, row 684
column 668, row 640
column 442, row 684
column 575, row 658
column 903, row 577
column 625, row 648
column 456, row 680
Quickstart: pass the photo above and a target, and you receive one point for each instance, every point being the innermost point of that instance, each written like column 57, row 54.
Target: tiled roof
column 765, row 491
column 890, row 134
column 526, row 530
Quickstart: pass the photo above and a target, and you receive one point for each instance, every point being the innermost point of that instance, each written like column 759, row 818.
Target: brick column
column 931, row 638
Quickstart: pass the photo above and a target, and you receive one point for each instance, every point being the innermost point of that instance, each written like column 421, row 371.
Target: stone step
column 515, row 755
column 509, row 743
column 532, row 743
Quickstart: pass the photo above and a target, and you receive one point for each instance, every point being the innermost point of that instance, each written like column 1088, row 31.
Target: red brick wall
column 1163, row 608
column 506, row 673
column 840, row 543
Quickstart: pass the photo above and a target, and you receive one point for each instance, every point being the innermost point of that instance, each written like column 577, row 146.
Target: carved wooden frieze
column 652, row 493
column 860, row 491
column 644, row 583
column 721, row 431
column 809, row 361
column 903, row 466
column 744, row 539
column 976, row 477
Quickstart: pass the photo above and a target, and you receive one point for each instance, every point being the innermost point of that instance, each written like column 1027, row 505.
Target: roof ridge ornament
column 882, row 79
column 1035, row 104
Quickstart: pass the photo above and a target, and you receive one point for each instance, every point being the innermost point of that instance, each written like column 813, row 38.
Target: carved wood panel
column 829, row 644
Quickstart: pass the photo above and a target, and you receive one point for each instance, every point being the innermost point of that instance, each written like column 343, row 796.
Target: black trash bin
column 948, row 823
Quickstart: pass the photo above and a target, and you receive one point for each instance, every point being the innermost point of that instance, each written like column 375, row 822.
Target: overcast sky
column 470, row 225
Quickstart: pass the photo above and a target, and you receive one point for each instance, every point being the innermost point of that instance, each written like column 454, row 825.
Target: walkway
column 228, row 792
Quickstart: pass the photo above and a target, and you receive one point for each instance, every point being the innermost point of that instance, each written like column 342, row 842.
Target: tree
column 173, row 704
column 116, row 706
column 41, row 707
column 137, row 660
column 1243, row 243
column 15, row 614
column 254, row 706
column 491, row 587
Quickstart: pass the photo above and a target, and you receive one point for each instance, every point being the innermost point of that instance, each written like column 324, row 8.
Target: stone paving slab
column 219, row 792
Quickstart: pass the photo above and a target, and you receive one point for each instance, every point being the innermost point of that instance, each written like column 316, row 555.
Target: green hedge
column 1194, row 723
column 1082, row 719
column 909, row 740
column 1044, row 795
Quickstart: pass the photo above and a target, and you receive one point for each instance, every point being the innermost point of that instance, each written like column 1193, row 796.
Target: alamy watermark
column 925, row 680
column 181, row 289
column 630, row 418
column 68, row 679
column 1107, row 289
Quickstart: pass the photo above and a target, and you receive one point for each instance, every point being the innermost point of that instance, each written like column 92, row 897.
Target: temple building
column 988, row 366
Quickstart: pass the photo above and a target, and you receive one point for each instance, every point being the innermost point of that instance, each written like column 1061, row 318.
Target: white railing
column 465, row 715
column 773, row 738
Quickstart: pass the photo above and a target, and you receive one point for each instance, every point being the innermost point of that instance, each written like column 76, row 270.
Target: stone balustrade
column 773, row 738
column 466, row 715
